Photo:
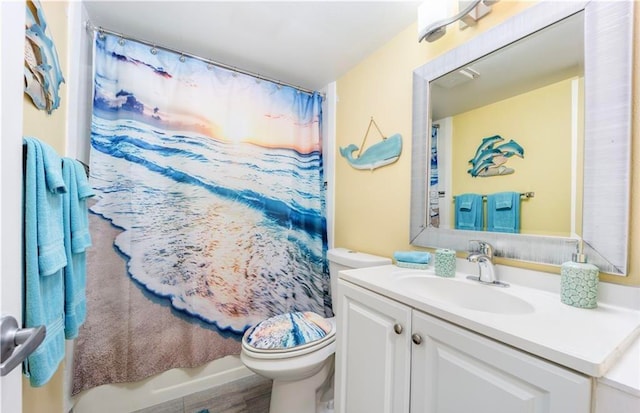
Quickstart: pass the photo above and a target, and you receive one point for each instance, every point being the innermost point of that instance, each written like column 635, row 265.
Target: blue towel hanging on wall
column 468, row 210
column 45, row 257
column 503, row 212
column 76, row 240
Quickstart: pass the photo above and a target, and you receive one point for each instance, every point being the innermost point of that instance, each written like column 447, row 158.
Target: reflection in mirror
column 529, row 94
column 574, row 197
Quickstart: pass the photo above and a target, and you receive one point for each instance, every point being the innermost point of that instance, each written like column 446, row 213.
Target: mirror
column 605, row 30
column 529, row 93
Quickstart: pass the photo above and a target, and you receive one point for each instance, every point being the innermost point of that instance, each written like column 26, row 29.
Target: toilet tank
column 345, row 259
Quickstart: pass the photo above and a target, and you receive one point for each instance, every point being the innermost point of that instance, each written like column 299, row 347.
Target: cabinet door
column 454, row 370
column 372, row 357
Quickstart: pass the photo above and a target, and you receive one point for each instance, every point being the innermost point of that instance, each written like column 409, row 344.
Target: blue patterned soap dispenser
column 579, row 282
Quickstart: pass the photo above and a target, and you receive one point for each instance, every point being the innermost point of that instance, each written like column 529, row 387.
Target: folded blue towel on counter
column 415, row 257
column 468, row 209
column 503, row 212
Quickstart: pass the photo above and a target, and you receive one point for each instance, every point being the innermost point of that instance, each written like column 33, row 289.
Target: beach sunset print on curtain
column 215, row 179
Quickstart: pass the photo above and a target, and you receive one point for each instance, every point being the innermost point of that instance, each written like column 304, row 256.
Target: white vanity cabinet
column 373, row 353
column 455, row 370
column 433, row 366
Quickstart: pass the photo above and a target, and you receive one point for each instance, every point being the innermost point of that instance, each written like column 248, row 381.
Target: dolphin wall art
column 42, row 74
column 490, row 160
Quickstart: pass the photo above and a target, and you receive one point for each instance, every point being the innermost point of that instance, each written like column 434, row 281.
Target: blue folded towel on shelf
column 468, row 211
column 414, row 257
column 503, row 212
column 45, row 257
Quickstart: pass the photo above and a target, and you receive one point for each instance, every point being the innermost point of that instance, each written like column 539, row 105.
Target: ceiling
column 305, row 43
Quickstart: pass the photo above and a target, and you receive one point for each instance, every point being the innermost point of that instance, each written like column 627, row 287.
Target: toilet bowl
column 296, row 350
column 296, row 373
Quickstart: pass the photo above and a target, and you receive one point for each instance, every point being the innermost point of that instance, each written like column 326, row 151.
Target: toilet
column 296, row 350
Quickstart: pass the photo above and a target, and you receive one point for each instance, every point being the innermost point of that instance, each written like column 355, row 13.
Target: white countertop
column 586, row 340
column 625, row 373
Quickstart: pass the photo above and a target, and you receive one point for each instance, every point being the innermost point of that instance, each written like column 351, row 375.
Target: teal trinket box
column 445, row 263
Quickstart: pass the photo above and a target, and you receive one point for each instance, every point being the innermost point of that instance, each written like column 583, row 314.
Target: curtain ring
column 154, row 50
column 101, row 35
column 182, row 58
column 121, row 41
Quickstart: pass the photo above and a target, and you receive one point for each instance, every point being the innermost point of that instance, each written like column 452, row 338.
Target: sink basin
column 464, row 294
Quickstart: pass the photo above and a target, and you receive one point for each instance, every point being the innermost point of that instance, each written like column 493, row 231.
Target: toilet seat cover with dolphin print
column 288, row 331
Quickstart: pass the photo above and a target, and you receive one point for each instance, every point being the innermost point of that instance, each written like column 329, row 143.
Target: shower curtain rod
column 91, row 27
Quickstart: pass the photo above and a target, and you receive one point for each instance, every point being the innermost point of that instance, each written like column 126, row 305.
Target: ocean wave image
column 209, row 213
column 214, row 227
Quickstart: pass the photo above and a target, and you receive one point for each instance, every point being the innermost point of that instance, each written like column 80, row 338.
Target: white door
column 454, row 370
column 372, row 354
column 12, row 18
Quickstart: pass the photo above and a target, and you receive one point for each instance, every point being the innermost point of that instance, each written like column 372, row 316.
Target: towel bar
column 24, row 156
column 525, row 195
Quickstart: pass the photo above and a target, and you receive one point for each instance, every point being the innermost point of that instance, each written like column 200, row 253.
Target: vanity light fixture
column 435, row 15
column 469, row 72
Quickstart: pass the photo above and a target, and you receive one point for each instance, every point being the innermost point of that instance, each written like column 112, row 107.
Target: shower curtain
column 209, row 213
column 434, row 193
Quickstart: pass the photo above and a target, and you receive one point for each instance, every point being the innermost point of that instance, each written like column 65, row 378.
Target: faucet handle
column 483, row 247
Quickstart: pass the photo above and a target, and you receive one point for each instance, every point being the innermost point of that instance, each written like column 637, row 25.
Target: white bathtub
column 170, row 385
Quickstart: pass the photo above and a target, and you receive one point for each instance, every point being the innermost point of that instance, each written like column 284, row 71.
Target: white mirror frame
column 608, row 39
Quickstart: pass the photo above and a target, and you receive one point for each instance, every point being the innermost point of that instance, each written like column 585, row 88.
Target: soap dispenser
column 579, row 281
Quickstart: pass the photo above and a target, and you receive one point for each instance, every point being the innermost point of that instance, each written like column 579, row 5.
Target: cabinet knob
column 416, row 338
column 398, row 328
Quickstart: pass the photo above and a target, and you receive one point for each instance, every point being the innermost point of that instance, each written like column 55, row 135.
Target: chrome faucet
column 484, row 258
column 484, row 248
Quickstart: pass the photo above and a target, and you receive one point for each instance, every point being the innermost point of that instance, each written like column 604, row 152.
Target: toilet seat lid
column 288, row 332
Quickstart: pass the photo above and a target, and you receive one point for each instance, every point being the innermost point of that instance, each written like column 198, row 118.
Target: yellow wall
column 372, row 208
column 539, row 121
column 50, row 129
